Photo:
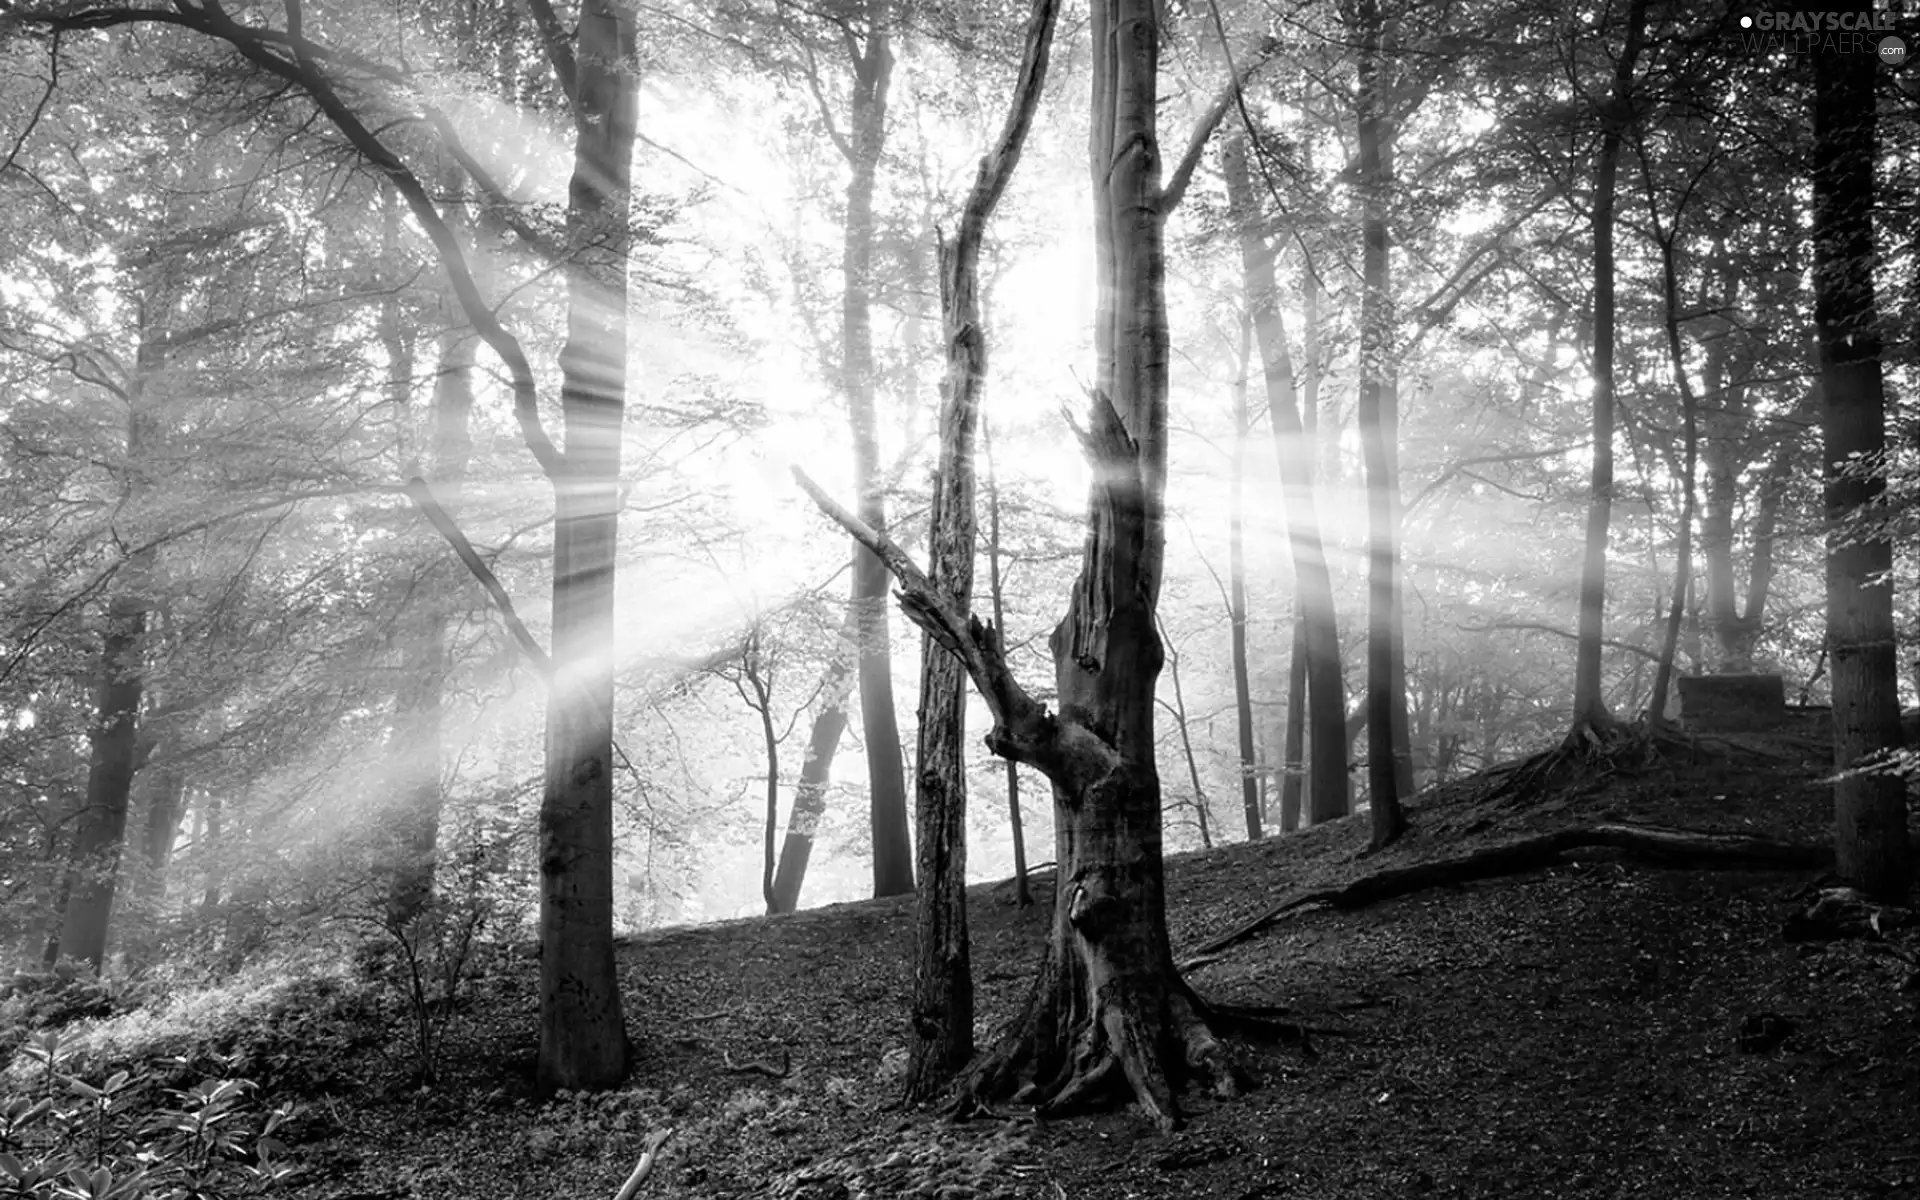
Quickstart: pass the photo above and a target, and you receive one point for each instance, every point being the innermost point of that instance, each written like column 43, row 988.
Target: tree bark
column 1589, row 701
column 583, row 1037
column 1378, row 426
column 1870, row 808
column 1317, row 633
column 943, row 975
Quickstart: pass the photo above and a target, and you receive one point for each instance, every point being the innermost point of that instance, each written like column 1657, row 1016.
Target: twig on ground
column 644, row 1167
column 758, row 1068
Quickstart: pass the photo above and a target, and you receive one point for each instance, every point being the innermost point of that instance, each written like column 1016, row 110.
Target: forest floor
column 1596, row 1029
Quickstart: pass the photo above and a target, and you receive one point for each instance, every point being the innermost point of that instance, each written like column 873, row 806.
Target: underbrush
column 127, row 1136
column 299, row 1021
column 293, row 1024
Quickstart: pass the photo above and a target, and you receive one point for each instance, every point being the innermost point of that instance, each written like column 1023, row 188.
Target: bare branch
column 1024, row 730
column 996, row 167
column 644, row 1167
column 33, row 119
column 1176, row 186
column 423, row 499
column 760, row 1068
column 811, row 72
column 262, row 47
column 559, row 48
column 1456, row 469
column 1539, row 627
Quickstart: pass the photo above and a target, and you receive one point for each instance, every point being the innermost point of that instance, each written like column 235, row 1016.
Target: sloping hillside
column 1595, row 1028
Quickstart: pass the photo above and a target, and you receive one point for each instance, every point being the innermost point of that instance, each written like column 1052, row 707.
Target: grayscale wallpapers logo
column 1840, row 32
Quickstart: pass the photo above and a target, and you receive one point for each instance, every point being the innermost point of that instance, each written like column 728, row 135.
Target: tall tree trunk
column 816, row 771
column 1293, row 768
column 943, row 974
column 756, row 687
column 166, row 808
column 1318, row 633
column 1690, row 419
column 1109, row 1012
column 209, row 844
column 1297, row 770
column 1723, row 450
column 1870, row 809
column 1201, row 809
column 415, row 744
column 1589, row 701
column 583, row 1036
column 112, row 760
column 886, row 779
column 1237, row 596
column 1022, row 893
column 1378, row 426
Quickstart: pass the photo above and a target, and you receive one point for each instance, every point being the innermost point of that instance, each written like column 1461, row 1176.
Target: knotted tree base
column 1131, row 1047
column 1109, row 1018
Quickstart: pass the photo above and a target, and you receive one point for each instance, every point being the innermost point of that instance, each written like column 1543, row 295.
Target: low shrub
column 127, row 1137
column 295, row 1025
column 35, row 1000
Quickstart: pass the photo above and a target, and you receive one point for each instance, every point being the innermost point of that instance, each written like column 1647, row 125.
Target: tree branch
column 33, row 119
column 1539, row 627
column 559, row 50
column 423, row 499
column 1454, row 470
column 644, row 1167
column 1024, row 730
column 811, row 71
column 260, row 46
column 996, row 167
column 1176, row 185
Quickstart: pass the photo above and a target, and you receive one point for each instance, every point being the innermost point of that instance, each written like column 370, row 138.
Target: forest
column 493, row 491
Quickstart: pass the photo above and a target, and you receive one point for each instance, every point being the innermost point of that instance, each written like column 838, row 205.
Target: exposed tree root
column 1267, row 1023
column 1658, row 844
column 1595, row 748
column 1122, row 1053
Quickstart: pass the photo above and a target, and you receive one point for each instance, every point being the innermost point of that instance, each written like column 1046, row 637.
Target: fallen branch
column 644, row 1167
column 758, row 1068
column 1658, row 844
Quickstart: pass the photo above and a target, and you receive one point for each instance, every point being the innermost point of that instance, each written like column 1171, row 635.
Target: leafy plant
column 126, row 1139
column 294, row 1024
column 35, row 1000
